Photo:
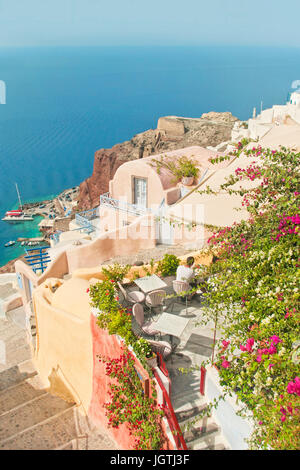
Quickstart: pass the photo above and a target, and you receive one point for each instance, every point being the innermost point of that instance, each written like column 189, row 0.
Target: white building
column 260, row 126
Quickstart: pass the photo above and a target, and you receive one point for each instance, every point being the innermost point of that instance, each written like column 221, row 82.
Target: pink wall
column 108, row 346
column 122, row 184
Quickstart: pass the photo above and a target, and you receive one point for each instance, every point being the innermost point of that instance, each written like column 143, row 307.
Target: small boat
column 10, row 243
column 17, row 215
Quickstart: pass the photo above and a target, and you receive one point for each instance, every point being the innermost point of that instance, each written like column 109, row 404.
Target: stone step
column 16, row 374
column 197, row 434
column 30, row 413
column 21, row 393
column 67, row 446
column 212, row 442
column 6, row 290
column 186, row 415
column 211, row 447
column 53, row 433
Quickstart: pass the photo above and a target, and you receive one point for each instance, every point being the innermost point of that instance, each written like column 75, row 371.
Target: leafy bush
column 180, row 167
column 128, row 404
column 116, row 272
column 143, row 348
column 256, row 290
column 168, row 265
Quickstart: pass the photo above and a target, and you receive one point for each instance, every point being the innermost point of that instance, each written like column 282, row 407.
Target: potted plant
column 183, row 168
column 143, row 350
column 187, row 171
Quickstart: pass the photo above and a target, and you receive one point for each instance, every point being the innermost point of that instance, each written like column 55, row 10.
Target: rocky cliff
column 172, row 133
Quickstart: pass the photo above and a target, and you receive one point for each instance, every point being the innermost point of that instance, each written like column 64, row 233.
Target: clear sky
column 149, row 22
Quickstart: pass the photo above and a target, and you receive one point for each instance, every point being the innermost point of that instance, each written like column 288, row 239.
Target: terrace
column 191, row 347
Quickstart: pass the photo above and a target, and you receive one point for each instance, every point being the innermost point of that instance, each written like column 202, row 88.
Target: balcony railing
column 106, row 200
column 83, row 219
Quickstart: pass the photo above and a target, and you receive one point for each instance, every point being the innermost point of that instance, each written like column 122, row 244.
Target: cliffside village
column 132, row 211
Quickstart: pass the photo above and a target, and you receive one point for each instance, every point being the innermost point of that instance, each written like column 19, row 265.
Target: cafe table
column 149, row 283
column 170, row 324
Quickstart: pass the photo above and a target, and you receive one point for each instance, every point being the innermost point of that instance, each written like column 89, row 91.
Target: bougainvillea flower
column 275, row 339
column 294, row 387
column 249, row 344
column 272, row 349
column 225, row 364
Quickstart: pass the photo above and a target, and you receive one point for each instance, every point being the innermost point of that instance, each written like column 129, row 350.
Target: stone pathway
column 194, row 347
column 30, row 417
column 146, row 256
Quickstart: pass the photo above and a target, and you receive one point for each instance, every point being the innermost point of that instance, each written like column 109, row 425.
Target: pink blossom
column 283, row 418
column 272, row 349
column 270, row 366
column 275, row 339
column 294, row 387
column 225, row 364
column 225, row 343
column 249, row 344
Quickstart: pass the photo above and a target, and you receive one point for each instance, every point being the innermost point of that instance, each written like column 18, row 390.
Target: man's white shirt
column 184, row 273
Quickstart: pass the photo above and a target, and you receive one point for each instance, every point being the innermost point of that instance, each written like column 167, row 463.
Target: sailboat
column 17, row 215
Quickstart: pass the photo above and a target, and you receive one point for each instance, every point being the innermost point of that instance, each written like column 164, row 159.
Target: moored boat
column 17, row 215
column 10, row 243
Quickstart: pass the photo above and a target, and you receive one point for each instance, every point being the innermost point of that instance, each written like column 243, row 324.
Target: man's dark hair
column 190, row 261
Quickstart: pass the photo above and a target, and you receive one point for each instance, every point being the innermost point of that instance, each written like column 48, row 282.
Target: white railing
column 106, row 200
column 83, row 219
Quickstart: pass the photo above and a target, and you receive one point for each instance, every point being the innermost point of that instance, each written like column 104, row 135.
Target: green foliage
column 142, row 348
column 129, row 405
column 116, row 272
column 168, row 265
column 151, row 270
column 256, row 291
column 179, row 167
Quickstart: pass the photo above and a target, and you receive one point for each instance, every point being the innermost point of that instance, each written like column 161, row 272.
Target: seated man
column 185, row 272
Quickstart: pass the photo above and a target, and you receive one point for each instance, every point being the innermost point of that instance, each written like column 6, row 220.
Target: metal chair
column 161, row 347
column 146, row 327
column 155, row 299
column 132, row 297
column 179, row 287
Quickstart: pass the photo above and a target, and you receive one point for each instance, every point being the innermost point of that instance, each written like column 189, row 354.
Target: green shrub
column 180, row 167
column 168, row 265
column 116, row 272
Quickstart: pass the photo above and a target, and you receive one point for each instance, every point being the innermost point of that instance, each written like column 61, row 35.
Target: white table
column 150, row 283
column 170, row 324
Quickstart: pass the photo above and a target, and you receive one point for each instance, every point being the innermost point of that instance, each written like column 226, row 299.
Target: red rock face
column 106, row 163
column 211, row 129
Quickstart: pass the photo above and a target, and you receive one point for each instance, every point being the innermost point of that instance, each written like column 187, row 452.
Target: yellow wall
column 64, row 342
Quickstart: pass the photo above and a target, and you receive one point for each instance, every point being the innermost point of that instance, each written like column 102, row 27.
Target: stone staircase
column 9, row 295
column 31, row 418
column 200, row 433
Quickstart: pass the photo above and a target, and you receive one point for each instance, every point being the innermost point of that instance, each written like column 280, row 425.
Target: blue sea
column 63, row 104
